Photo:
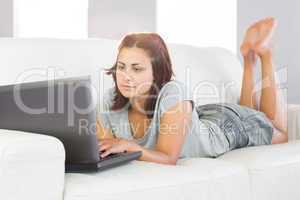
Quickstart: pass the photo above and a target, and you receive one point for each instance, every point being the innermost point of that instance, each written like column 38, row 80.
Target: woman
column 162, row 121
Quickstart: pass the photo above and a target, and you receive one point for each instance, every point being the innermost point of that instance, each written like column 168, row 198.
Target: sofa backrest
column 212, row 74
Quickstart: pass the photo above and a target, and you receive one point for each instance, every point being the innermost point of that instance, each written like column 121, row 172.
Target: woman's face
column 134, row 72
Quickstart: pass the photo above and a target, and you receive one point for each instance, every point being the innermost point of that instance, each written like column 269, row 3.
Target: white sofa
column 32, row 165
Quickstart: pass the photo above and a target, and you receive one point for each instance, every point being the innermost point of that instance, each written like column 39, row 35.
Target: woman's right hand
column 117, row 145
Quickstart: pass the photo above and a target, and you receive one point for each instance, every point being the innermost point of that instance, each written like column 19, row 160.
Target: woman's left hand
column 116, row 145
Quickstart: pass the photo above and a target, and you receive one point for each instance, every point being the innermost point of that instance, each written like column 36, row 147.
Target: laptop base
column 107, row 163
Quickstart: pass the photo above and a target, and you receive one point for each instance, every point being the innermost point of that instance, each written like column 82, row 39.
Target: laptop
column 65, row 109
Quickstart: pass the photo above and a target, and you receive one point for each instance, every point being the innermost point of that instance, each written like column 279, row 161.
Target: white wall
column 51, row 18
column 198, row 22
column 286, row 39
column 6, row 18
column 194, row 22
column 114, row 18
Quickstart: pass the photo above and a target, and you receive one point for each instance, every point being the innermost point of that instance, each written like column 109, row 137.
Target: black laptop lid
column 63, row 108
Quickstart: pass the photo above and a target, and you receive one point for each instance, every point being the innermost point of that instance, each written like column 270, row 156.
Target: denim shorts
column 241, row 125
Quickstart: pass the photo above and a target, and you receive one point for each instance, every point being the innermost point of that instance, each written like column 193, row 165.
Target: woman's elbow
column 172, row 161
column 168, row 161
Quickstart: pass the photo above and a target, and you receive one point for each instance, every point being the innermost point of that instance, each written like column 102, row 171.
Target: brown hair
column 157, row 50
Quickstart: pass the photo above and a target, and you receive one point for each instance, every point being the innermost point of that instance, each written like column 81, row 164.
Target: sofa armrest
column 31, row 166
column 294, row 121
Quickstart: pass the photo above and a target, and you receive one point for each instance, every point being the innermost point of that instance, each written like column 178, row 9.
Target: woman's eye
column 137, row 69
column 120, row 67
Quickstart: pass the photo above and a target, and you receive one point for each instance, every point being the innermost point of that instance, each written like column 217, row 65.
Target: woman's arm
column 173, row 127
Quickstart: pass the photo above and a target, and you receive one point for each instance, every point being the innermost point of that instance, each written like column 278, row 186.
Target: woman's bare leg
column 270, row 100
column 259, row 42
column 248, row 95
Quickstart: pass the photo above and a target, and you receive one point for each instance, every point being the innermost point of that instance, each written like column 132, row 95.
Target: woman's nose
column 127, row 75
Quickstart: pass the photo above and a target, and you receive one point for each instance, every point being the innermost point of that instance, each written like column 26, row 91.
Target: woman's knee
column 279, row 136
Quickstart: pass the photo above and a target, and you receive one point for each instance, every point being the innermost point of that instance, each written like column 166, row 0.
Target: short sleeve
column 103, row 109
column 172, row 93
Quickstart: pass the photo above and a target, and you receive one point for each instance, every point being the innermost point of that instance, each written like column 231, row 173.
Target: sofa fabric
column 198, row 178
column 270, row 167
column 31, row 166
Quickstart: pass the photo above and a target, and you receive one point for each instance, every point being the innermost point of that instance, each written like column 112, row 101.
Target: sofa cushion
column 194, row 178
column 274, row 170
column 31, row 166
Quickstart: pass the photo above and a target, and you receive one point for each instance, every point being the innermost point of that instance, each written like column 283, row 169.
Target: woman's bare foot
column 249, row 39
column 266, row 30
column 258, row 38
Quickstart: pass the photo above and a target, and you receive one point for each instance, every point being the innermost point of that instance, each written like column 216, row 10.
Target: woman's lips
column 127, row 87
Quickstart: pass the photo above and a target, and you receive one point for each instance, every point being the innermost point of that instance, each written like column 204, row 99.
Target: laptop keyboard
column 112, row 155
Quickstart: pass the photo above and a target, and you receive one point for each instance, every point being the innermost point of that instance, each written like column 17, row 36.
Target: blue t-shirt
column 199, row 141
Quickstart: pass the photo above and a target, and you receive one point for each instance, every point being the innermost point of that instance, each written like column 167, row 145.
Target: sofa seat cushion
column 193, row 178
column 31, row 166
column 274, row 170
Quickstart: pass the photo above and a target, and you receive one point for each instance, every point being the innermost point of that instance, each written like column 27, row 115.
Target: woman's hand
column 116, row 145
